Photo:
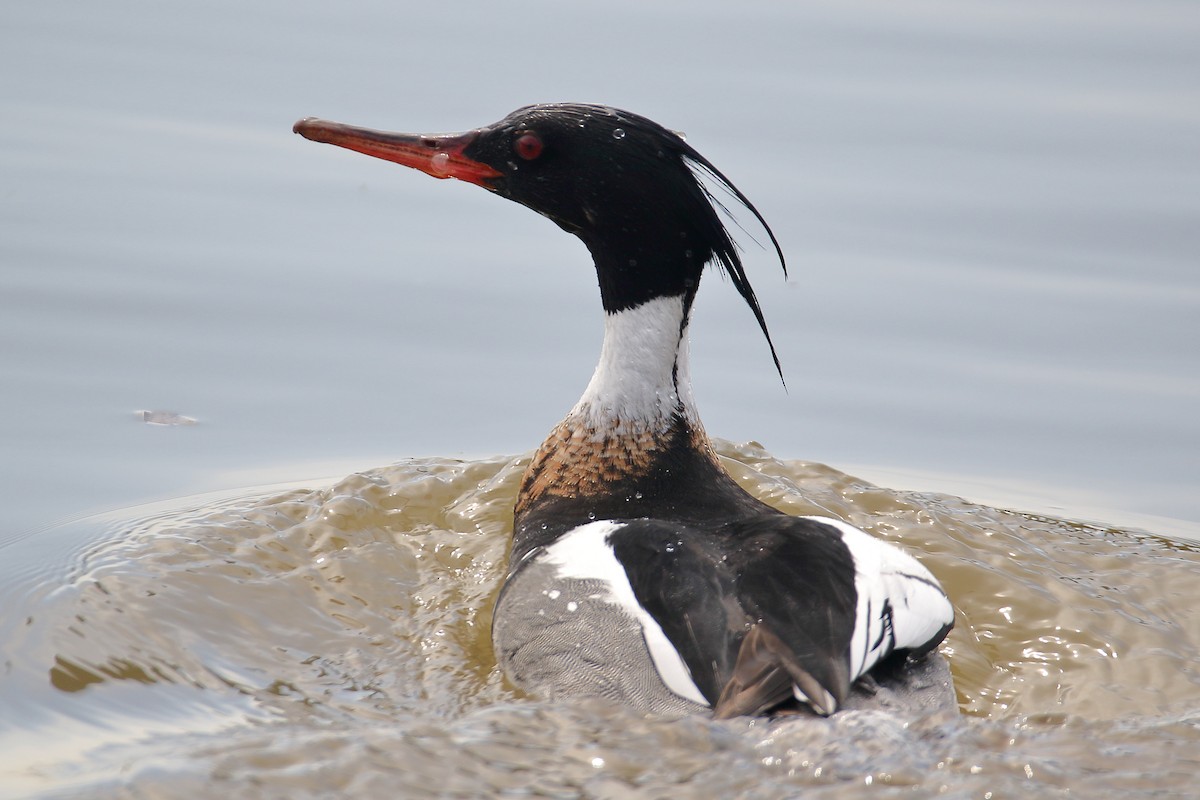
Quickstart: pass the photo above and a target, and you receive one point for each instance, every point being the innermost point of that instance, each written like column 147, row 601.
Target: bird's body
column 639, row 570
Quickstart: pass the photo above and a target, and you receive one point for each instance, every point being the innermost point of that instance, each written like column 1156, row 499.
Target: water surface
column 989, row 210
column 337, row 640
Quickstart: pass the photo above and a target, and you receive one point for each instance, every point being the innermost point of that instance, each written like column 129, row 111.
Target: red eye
column 528, row 146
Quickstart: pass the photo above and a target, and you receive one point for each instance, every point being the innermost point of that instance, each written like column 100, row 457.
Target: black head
column 629, row 188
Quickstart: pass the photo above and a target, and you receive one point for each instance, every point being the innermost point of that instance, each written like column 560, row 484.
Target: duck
column 640, row 571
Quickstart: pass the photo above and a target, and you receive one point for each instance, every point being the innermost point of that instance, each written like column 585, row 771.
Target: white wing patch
column 900, row 603
column 585, row 554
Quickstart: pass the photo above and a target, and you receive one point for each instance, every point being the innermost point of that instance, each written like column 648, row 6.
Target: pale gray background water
column 991, row 211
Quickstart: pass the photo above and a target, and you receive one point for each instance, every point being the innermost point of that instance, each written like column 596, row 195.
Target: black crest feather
column 727, row 256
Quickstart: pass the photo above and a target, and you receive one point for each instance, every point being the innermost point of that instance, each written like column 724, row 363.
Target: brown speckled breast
column 582, row 463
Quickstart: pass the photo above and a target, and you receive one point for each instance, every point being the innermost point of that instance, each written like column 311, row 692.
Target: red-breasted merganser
column 639, row 570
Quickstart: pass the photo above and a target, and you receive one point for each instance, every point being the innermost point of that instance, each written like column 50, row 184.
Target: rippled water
column 308, row 640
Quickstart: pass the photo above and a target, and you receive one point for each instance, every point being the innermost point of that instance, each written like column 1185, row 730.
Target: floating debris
column 164, row 418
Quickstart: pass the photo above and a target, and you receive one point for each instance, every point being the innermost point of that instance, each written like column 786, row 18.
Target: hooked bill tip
column 303, row 125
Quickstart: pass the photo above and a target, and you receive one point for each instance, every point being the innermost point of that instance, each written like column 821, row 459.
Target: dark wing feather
column 755, row 608
column 763, row 678
column 678, row 577
column 796, row 577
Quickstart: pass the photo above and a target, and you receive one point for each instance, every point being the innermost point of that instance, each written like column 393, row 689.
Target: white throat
column 642, row 380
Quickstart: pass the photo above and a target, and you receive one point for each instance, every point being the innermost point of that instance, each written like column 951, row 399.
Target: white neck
column 642, row 379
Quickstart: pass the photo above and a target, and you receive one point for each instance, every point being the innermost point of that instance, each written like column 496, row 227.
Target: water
column 337, row 640
column 990, row 213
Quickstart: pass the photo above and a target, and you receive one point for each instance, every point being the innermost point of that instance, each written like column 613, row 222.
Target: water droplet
column 553, row 594
column 440, row 163
column 670, row 548
column 591, row 515
column 597, row 762
column 571, row 606
column 619, row 133
column 637, row 495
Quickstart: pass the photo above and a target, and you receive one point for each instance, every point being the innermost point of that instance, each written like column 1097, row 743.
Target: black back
column 707, row 588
